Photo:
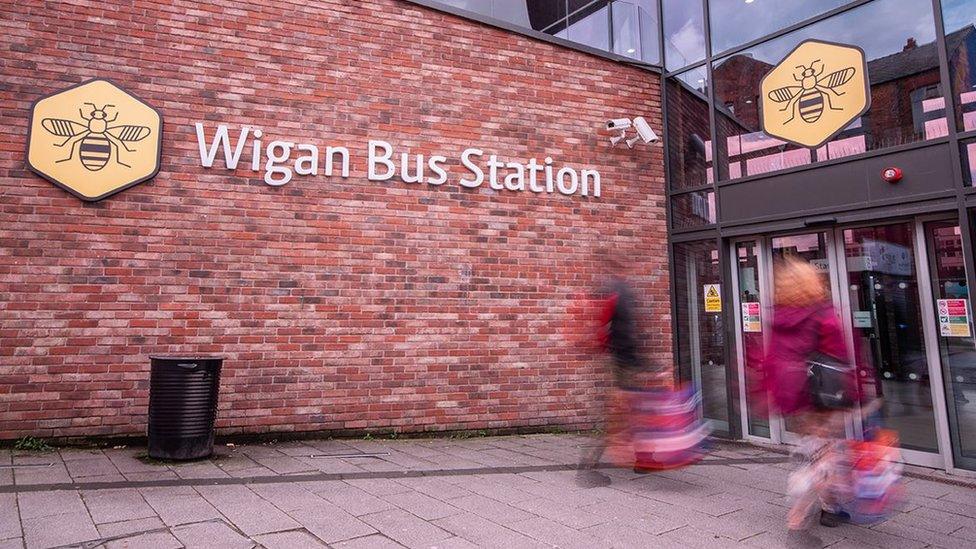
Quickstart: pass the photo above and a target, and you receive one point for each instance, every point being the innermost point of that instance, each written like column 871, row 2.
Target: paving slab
column 247, row 511
column 210, row 534
column 116, row 505
column 406, row 529
column 484, row 533
column 329, row 523
column 179, row 505
column 9, row 517
column 150, row 540
column 493, row 510
column 353, row 500
column 129, row 527
column 375, row 541
column 293, row 539
column 99, row 466
column 422, row 505
column 45, row 504
column 60, row 529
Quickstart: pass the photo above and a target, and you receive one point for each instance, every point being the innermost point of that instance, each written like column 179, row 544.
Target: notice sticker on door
column 713, row 298
column 954, row 318
column 862, row 319
column 751, row 317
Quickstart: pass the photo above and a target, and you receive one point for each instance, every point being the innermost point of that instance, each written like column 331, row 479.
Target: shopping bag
column 876, row 487
column 666, row 430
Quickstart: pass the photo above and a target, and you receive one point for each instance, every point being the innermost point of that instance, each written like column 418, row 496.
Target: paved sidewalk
column 511, row 492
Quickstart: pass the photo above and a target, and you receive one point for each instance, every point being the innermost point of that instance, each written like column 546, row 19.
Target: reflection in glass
column 694, row 209
column 684, row 32
column 689, row 131
column 650, row 30
column 626, row 31
column 958, row 350
column 888, row 339
column 751, row 332
column 812, row 248
column 591, row 26
column 907, row 104
column 959, row 18
column 734, row 22
column 701, row 335
column 968, row 154
column 540, row 15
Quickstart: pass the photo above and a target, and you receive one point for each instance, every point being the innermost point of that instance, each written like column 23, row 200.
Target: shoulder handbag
column 830, row 381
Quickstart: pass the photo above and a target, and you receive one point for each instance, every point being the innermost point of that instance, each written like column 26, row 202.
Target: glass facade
column 689, row 130
column 897, row 281
column 959, row 21
column 701, row 335
column 629, row 28
column 736, row 22
column 684, row 33
column 903, row 70
column 910, row 104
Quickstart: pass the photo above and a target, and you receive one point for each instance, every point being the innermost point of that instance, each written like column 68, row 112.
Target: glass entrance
column 889, row 341
column 873, row 274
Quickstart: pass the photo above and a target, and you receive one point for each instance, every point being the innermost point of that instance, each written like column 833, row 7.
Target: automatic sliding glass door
column 873, row 274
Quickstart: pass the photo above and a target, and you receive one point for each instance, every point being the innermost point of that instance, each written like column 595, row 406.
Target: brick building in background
column 338, row 303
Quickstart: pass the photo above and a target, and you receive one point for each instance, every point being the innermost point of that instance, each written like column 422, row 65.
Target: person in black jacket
column 618, row 334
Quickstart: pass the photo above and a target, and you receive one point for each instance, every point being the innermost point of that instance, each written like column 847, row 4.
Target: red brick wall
column 338, row 303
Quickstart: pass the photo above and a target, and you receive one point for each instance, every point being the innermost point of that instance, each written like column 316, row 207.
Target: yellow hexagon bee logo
column 94, row 139
column 815, row 92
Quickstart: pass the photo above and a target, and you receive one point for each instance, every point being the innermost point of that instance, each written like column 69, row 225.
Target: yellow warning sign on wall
column 815, row 92
column 94, row 139
column 713, row 298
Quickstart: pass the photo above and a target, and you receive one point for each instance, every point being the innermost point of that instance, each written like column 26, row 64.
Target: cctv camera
column 644, row 133
column 618, row 124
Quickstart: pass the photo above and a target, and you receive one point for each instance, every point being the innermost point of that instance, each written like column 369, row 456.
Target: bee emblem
column 95, row 140
column 813, row 92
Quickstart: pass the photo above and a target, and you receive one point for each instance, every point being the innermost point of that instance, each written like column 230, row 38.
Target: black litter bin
column 183, row 406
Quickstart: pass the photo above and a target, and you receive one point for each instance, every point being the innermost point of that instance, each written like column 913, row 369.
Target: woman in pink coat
column 804, row 323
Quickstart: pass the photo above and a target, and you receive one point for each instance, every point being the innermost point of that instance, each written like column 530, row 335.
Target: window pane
column 701, row 334
column 694, row 209
column 591, row 26
column 968, row 154
column 684, row 32
column 956, row 343
column 650, row 29
column 689, row 132
column 906, row 89
column 635, row 30
column 751, row 334
column 735, row 22
column 540, row 15
column 626, row 32
column 959, row 17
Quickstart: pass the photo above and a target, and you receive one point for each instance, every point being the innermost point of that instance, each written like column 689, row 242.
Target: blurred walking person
column 617, row 334
column 810, row 384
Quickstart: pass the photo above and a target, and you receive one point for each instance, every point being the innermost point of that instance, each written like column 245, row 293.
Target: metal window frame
column 539, row 35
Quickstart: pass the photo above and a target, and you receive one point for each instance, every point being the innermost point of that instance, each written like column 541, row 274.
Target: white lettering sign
column 281, row 160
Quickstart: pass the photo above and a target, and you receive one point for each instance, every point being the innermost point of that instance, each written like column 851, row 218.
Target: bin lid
column 186, row 357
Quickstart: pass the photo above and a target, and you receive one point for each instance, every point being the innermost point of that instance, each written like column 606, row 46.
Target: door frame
column 839, row 277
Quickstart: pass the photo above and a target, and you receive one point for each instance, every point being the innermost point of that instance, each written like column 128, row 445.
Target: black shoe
column 831, row 520
column 642, row 471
